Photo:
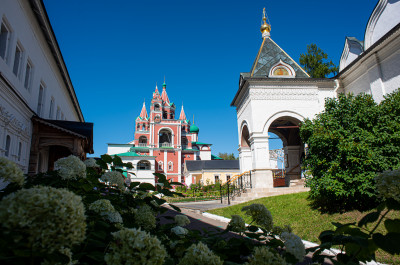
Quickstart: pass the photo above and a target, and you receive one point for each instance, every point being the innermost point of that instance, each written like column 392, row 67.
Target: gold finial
column 265, row 27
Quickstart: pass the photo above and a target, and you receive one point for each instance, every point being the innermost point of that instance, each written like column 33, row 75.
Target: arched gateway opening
column 287, row 129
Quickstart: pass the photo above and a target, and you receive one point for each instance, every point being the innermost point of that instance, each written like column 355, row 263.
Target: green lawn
column 294, row 209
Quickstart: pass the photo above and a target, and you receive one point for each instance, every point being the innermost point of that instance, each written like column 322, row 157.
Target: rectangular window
column 28, row 75
column 228, row 177
column 17, row 60
column 51, row 108
column 19, row 151
column 216, row 178
column 5, row 35
column 58, row 113
column 8, row 145
column 40, row 100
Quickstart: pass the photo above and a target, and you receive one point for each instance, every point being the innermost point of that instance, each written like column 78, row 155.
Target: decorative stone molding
column 284, row 94
column 12, row 122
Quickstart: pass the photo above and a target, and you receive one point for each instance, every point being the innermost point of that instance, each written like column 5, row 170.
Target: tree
column 226, row 156
column 349, row 142
column 315, row 62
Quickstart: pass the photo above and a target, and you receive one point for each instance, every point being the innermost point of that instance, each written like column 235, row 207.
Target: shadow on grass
column 331, row 205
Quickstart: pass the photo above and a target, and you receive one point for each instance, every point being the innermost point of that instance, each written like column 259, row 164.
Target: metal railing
column 142, row 144
column 166, row 145
column 235, row 186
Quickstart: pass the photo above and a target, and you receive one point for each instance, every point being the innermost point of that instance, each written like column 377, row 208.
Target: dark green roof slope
column 269, row 54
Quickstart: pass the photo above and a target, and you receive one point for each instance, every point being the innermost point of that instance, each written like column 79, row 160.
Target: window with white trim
column 40, row 100
column 143, row 165
column 51, row 111
column 58, row 114
column 216, row 178
column 19, row 151
column 28, row 74
column 160, row 165
column 5, row 37
column 170, row 166
column 8, row 145
column 18, row 60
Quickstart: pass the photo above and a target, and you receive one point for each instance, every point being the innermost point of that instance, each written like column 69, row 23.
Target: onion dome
column 265, row 27
column 194, row 129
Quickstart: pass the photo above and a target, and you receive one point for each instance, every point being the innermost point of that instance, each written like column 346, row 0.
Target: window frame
column 28, row 74
column 41, row 97
column 7, row 49
column 18, row 61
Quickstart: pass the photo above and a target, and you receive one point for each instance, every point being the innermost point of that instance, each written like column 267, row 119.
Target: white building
column 277, row 94
column 40, row 116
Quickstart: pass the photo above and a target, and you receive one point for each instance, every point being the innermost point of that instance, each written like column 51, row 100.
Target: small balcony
column 142, row 144
column 163, row 145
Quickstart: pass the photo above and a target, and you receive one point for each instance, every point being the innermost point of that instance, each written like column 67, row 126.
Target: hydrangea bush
column 79, row 218
column 70, row 167
column 10, row 172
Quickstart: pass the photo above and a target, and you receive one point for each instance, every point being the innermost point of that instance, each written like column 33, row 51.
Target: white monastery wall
column 26, row 32
column 118, row 149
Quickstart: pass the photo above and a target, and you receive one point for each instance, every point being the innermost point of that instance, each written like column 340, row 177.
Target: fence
column 235, row 186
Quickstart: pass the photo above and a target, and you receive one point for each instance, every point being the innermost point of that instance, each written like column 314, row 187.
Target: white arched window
column 170, row 166
column 282, row 70
column 143, row 165
column 160, row 165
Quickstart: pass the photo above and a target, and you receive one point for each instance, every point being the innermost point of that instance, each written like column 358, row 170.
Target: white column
column 262, row 173
column 245, row 159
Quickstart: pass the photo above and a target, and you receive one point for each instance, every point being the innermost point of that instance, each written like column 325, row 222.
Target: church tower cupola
column 164, row 95
column 265, row 27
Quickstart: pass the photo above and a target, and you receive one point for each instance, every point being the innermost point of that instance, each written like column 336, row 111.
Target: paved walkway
column 202, row 206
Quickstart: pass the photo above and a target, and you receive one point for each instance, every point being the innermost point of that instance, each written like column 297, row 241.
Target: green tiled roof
column 191, row 150
column 138, row 147
column 214, row 157
column 131, row 154
column 200, row 143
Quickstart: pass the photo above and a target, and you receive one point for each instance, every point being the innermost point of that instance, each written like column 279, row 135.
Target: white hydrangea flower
column 145, row 218
column 52, row 218
column 67, row 252
column 260, row 215
column 388, row 184
column 70, row 167
column 200, row 254
column 179, row 230
column 181, row 220
column 265, row 256
column 106, row 210
column 91, row 162
column 133, row 246
column 10, row 172
column 294, row 245
column 237, row 224
column 114, row 177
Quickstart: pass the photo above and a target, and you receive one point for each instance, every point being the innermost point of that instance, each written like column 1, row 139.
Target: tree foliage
column 227, row 156
column 315, row 62
column 351, row 140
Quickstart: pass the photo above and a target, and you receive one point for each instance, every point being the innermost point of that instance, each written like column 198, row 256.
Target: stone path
column 201, row 220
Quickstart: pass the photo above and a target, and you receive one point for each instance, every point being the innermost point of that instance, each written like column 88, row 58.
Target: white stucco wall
column 18, row 103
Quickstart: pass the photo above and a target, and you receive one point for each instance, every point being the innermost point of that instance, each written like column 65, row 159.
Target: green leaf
column 134, row 184
column 392, row 225
column 388, row 242
column 106, row 158
column 369, row 218
column 161, row 177
column 147, row 186
column 117, row 161
column 252, row 228
column 175, row 208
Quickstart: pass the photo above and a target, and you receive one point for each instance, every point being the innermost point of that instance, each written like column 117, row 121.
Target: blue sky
column 116, row 53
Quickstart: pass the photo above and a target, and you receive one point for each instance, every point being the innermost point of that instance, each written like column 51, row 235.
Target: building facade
column 162, row 142
column 211, row 171
column 40, row 116
column 277, row 94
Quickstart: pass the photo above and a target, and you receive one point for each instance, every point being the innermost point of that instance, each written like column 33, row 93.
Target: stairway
column 255, row 193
